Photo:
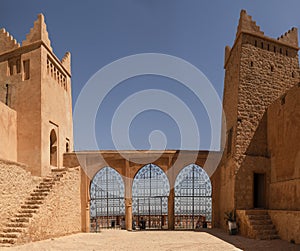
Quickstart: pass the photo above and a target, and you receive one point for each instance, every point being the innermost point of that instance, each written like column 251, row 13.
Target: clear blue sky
column 99, row 32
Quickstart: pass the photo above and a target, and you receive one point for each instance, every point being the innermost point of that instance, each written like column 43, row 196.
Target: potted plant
column 230, row 218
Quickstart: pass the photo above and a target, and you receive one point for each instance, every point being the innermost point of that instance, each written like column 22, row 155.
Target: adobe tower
column 258, row 71
column 37, row 85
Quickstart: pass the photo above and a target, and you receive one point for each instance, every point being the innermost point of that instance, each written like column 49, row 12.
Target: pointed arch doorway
column 193, row 202
column 150, row 191
column 107, row 202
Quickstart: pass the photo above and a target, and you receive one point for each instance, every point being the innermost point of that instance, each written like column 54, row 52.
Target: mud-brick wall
column 15, row 185
column 60, row 213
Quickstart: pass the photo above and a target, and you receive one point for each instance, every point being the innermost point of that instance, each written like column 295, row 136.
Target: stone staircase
column 18, row 224
column 261, row 224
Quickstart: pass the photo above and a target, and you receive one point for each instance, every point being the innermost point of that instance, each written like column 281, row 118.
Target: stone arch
column 53, row 148
column 107, row 202
column 193, row 203
column 150, row 191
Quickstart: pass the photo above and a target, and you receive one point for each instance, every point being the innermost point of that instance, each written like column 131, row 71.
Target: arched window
column 192, row 197
column 150, row 191
column 107, row 200
column 53, row 148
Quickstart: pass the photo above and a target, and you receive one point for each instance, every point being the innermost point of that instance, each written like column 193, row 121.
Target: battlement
column 7, row 41
column 38, row 33
column 66, row 61
column 290, row 37
column 246, row 24
column 248, row 32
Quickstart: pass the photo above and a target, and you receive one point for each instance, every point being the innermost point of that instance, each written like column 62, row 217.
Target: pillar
column 128, row 197
column 128, row 213
column 171, row 216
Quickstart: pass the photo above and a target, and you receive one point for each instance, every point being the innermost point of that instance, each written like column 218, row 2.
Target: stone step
column 41, row 190
column 33, row 202
column 268, row 237
column 44, row 187
column 46, row 183
column 59, row 170
column 39, row 194
column 24, row 215
column 261, row 222
column 19, row 219
column 28, row 206
column 256, row 212
column 13, row 230
column 27, row 211
column 9, row 235
column 263, row 227
column 259, row 217
column 266, row 232
column 17, row 224
column 7, row 241
column 36, row 198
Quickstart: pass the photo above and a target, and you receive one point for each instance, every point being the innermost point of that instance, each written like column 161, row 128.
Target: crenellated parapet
column 7, row 42
column 66, row 61
column 38, row 33
column 246, row 24
column 290, row 37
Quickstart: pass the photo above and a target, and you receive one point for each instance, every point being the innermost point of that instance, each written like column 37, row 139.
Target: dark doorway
column 259, row 190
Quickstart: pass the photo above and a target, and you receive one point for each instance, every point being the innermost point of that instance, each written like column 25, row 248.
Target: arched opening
column 53, row 148
column 107, row 205
column 150, row 191
column 193, row 204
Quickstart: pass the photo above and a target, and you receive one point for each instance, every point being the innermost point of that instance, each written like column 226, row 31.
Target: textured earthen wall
column 244, row 180
column 8, row 133
column 15, row 185
column 60, row 213
column 283, row 141
column 265, row 75
column 287, row 224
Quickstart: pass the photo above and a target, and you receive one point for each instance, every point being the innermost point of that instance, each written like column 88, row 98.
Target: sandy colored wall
column 15, row 185
column 60, row 214
column 8, row 133
column 56, row 109
column 284, row 147
column 287, row 224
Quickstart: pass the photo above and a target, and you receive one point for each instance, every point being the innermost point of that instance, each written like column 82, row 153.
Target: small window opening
column 255, row 43
column 229, row 141
column 26, row 69
column 283, row 100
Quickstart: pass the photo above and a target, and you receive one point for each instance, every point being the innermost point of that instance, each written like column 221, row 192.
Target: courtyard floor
column 212, row 239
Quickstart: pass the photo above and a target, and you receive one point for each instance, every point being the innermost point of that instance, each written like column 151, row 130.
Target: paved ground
column 212, row 239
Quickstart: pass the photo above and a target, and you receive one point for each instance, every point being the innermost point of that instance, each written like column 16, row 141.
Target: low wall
column 60, row 213
column 8, row 133
column 287, row 224
column 15, row 186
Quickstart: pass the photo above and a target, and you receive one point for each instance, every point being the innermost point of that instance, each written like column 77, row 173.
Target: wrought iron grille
column 107, row 200
column 150, row 191
column 193, row 203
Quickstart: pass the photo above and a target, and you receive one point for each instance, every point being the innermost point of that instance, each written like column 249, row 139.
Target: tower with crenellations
column 35, row 87
column 259, row 71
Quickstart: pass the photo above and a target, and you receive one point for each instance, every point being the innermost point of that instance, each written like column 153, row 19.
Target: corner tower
column 37, row 85
column 258, row 70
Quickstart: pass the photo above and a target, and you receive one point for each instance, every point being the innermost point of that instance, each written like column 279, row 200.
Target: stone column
column 128, row 197
column 171, row 203
column 87, row 226
column 128, row 213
